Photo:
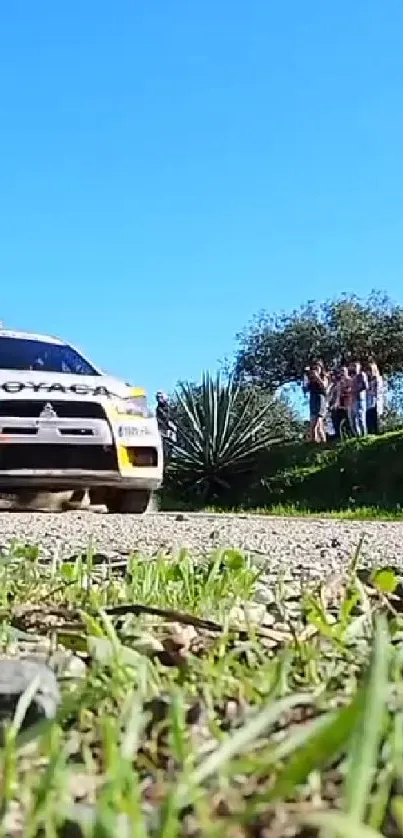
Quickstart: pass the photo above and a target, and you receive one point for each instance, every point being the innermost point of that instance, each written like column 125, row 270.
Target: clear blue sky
column 169, row 168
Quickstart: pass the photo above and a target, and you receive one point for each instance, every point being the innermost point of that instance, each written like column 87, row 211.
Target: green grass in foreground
column 285, row 723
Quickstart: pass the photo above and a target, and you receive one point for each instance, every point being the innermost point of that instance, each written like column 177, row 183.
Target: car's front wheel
column 128, row 501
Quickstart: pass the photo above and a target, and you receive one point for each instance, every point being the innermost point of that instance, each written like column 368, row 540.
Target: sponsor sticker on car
column 13, row 387
column 133, row 431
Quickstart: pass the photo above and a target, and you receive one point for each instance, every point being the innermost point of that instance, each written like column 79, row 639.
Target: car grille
column 80, row 457
column 31, row 408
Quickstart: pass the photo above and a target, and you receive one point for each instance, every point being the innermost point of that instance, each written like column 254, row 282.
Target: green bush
column 358, row 473
column 222, row 430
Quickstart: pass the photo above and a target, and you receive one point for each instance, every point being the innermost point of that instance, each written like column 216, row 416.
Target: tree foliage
column 222, row 427
column 275, row 349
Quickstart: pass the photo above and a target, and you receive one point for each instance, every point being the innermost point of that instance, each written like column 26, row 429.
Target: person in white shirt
column 375, row 398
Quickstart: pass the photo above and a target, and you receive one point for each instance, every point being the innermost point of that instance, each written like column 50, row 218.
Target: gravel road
column 319, row 547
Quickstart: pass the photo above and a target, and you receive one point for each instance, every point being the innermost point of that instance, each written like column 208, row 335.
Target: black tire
column 128, row 501
column 98, row 497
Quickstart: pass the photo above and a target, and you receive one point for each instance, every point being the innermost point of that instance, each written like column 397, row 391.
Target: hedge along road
column 297, row 546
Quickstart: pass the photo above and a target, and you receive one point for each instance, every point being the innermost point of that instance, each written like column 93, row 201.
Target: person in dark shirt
column 340, row 399
column 316, row 385
column 162, row 412
column 166, row 426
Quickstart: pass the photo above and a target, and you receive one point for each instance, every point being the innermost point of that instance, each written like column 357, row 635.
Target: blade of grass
column 352, row 570
column 240, row 740
column 397, row 811
column 363, row 754
column 380, row 802
column 323, row 746
column 292, row 743
column 340, row 825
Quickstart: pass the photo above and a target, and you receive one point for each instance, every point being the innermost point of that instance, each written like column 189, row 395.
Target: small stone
column 264, row 595
column 234, row 712
column 67, row 665
column 16, row 675
column 255, row 613
column 178, row 640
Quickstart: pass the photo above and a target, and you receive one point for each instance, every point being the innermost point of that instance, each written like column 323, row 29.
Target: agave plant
column 221, row 430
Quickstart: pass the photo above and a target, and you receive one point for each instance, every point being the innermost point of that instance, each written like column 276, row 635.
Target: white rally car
column 64, row 425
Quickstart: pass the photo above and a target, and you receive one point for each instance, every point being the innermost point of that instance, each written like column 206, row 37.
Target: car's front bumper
column 72, row 452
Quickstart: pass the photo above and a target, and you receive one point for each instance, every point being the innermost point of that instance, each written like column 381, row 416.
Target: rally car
column 65, row 426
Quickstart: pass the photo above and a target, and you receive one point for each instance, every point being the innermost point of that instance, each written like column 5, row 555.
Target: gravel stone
column 299, row 547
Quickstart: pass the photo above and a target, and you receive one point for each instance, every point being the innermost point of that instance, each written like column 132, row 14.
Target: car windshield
column 26, row 354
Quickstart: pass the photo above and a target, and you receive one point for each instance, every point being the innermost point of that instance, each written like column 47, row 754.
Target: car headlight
column 134, row 406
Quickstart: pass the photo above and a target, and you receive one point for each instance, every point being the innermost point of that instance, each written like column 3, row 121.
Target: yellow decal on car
column 123, row 457
column 137, row 392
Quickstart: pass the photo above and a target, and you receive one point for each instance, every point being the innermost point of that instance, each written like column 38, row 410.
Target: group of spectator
column 350, row 397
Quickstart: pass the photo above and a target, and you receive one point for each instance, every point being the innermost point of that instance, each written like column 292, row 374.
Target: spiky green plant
column 221, row 430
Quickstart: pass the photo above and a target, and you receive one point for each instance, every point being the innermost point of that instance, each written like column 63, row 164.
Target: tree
column 222, row 428
column 275, row 349
column 393, row 415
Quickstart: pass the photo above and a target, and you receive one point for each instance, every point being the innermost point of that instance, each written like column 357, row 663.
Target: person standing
column 375, row 398
column 162, row 411
column 346, row 397
column 316, row 385
column 166, row 425
column 359, row 387
column 333, row 400
column 339, row 399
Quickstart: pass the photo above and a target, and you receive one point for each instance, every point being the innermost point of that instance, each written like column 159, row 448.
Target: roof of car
column 8, row 333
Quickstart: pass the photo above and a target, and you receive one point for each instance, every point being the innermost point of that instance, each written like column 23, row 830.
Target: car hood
column 33, row 384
